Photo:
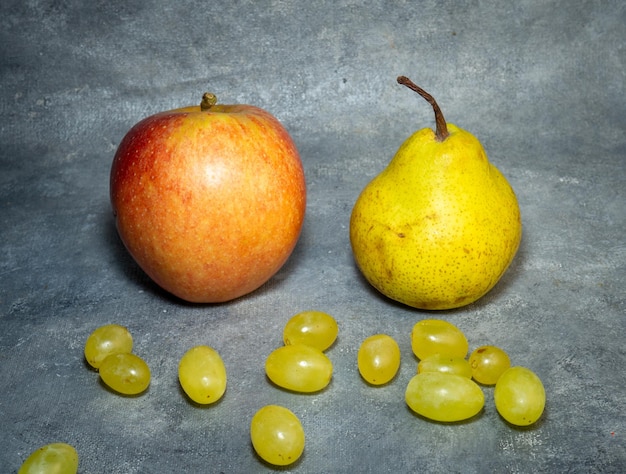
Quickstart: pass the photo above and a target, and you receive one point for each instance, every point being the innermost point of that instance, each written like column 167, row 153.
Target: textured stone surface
column 541, row 84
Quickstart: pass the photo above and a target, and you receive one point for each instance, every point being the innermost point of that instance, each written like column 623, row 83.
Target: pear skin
column 439, row 226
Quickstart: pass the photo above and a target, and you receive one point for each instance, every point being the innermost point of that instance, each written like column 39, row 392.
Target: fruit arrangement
column 447, row 387
column 209, row 200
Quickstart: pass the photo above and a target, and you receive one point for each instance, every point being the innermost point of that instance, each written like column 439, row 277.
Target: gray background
column 540, row 83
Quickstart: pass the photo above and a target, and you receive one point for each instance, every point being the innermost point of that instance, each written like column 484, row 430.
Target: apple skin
column 209, row 203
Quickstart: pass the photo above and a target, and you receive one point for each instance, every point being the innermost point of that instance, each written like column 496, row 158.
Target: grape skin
column 312, row 328
column 106, row 340
column 435, row 336
column 299, row 368
column 378, row 359
column 54, row 458
column 277, row 435
column 519, row 396
column 125, row 373
column 488, row 363
column 445, row 364
column 202, row 375
column 444, row 397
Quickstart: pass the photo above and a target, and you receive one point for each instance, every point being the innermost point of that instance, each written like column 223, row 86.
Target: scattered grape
column 313, row 328
column 125, row 373
column 488, row 363
column 55, row 458
column 444, row 397
column 446, row 365
column 519, row 396
column 202, row 374
column 107, row 340
column 299, row 368
column 277, row 435
column 378, row 359
column 435, row 336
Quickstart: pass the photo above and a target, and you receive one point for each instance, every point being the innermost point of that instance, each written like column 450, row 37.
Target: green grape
column 202, row 374
column 488, row 363
column 446, row 365
column 299, row 368
column 378, row 359
column 435, row 336
column 55, row 458
column 107, row 340
column 444, row 397
column 519, row 396
column 277, row 435
column 125, row 373
column 313, row 328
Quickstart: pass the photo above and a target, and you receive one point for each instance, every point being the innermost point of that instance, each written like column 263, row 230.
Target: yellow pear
column 438, row 227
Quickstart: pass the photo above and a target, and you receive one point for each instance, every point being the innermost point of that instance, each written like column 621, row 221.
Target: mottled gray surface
column 540, row 83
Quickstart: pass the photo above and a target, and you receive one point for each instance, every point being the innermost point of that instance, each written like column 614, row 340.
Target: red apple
column 209, row 200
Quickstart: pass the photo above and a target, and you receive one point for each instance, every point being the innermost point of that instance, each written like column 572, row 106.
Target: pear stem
column 208, row 101
column 442, row 129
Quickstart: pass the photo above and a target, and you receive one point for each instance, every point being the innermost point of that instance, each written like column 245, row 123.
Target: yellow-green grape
column 277, row 435
column 444, row 397
column 446, row 365
column 488, row 363
column 378, row 359
column 435, row 336
column 299, row 368
column 107, row 340
column 202, row 374
column 55, row 458
column 519, row 396
column 125, row 373
column 313, row 328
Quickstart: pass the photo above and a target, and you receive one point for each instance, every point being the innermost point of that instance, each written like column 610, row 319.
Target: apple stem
column 442, row 129
column 208, row 101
